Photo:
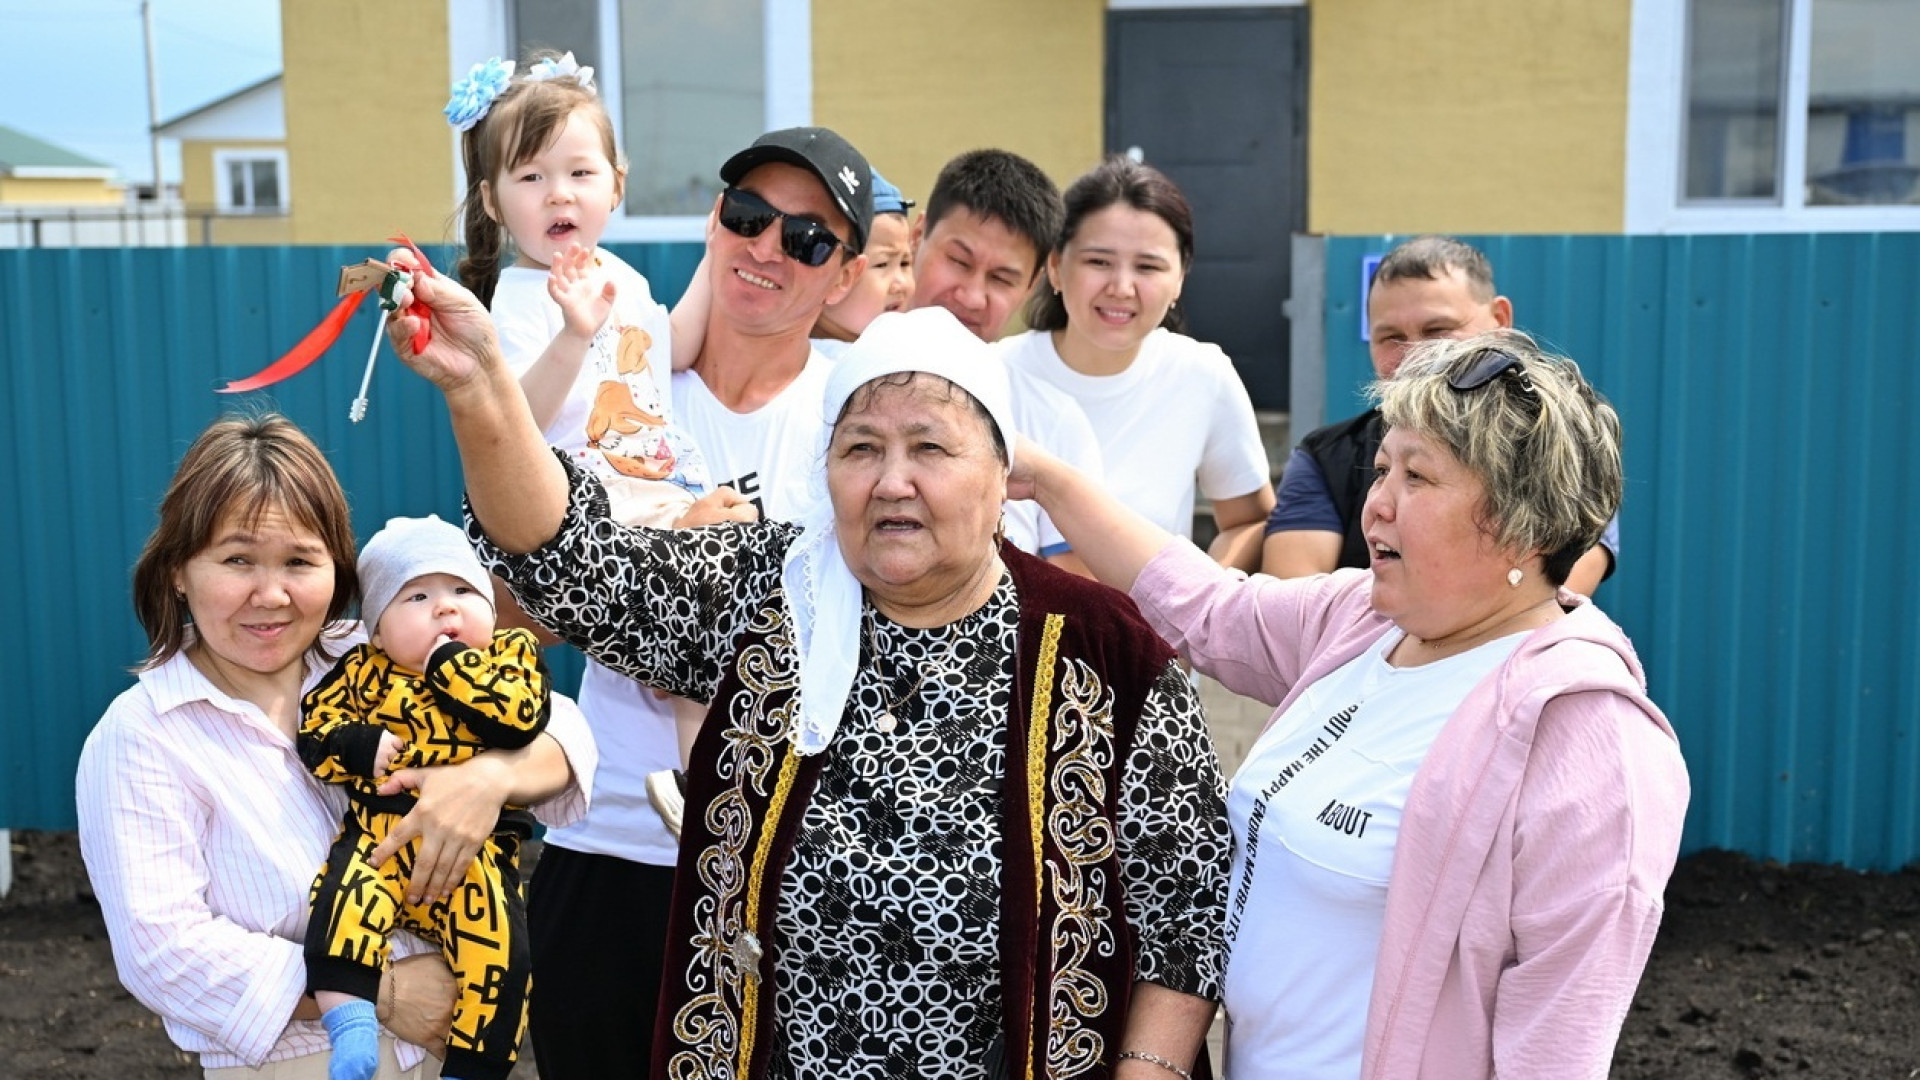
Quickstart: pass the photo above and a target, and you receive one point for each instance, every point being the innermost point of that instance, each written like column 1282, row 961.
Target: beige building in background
column 370, row 153
column 1473, row 116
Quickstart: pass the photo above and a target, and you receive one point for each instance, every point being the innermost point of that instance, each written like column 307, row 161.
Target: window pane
column 237, row 185
column 1863, row 103
column 1733, row 98
column 560, row 25
column 693, row 83
column 266, row 185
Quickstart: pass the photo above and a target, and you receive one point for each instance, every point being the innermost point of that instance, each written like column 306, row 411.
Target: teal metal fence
column 111, row 359
column 1769, row 387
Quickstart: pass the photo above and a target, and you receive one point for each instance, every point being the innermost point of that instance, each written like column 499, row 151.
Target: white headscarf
column 823, row 596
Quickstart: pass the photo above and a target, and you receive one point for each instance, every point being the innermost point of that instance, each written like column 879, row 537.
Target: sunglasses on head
column 809, row 243
column 1492, row 364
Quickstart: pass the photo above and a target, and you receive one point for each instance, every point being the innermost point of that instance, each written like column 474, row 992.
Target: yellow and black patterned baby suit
column 470, row 699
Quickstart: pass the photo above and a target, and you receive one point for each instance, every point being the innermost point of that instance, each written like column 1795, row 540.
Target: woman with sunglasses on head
column 1452, row 838
column 1170, row 412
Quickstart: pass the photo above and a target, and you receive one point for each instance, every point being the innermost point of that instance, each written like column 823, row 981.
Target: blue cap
column 887, row 198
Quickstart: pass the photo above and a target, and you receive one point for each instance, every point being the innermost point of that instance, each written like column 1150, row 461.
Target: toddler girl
column 577, row 324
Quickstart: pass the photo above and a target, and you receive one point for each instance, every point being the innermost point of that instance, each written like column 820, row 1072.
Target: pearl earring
column 1513, row 577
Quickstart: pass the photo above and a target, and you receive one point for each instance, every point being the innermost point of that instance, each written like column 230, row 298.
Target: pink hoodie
column 1539, row 832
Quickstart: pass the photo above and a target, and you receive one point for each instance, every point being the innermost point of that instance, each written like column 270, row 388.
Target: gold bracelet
column 383, row 1009
column 1156, row 1059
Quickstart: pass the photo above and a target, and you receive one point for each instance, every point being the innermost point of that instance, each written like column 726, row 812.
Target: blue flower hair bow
column 475, row 94
column 561, row 68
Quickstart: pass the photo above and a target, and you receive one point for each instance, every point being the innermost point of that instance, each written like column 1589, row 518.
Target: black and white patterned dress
column 889, row 909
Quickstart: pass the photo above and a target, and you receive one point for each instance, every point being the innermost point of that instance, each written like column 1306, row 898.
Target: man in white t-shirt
column 787, row 241
column 978, row 248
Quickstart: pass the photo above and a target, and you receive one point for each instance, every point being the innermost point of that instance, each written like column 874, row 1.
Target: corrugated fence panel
column 111, row 358
column 1768, row 386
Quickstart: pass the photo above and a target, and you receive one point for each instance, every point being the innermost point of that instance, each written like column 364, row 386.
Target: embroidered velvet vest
column 1085, row 661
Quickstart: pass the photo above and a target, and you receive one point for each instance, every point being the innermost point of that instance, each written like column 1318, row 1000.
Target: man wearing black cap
column 786, row 241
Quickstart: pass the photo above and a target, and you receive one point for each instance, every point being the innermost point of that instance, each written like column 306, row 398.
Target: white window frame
column 481, row 30
column 223, row 194
column 789, row 100
column 1656, row 112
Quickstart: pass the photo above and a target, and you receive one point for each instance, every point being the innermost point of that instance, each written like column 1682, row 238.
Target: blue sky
column 203, row 49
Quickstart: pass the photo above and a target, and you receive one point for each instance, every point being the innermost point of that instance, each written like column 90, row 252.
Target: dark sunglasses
column 809, row 243
column 1492, row 364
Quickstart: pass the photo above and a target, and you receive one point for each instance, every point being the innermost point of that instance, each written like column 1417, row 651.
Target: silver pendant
column 746, row 955
column 887, row 723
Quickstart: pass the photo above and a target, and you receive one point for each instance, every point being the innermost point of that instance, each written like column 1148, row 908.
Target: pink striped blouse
column 202, row 832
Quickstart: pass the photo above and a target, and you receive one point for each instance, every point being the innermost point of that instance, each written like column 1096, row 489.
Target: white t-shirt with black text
column 1316, row 811
column 767, row 455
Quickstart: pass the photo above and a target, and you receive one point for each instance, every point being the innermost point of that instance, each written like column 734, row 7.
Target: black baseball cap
column 821, row 151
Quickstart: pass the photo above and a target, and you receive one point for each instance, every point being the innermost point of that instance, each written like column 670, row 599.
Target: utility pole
column 153, row 99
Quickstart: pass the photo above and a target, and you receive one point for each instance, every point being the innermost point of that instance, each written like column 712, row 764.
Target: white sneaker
column 667, row 791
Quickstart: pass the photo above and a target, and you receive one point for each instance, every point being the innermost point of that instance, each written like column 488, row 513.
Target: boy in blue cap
column 886, row 284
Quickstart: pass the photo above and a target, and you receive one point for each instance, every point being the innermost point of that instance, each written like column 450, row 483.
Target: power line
column 175, row 29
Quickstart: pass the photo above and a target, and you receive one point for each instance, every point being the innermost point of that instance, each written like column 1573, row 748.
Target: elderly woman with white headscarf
column 953, row 813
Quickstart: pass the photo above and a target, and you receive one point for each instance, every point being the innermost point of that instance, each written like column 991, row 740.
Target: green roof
column 19, row 150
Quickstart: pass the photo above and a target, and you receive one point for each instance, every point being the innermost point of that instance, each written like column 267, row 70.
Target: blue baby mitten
column 355, row 1035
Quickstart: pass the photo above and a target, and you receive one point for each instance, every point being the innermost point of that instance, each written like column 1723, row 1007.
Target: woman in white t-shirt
column 1168, row 410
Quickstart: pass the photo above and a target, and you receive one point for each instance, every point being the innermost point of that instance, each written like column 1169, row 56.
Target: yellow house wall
column 914, row 82
column 1496, row 116
column 367, row 148
column 15, row 191
column 196, row 173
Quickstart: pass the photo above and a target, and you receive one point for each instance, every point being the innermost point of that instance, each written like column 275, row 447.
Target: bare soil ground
column 1761, row 970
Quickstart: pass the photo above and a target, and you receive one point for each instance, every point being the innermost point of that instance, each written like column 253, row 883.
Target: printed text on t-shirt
column 1330, row 733
column 747, row 486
